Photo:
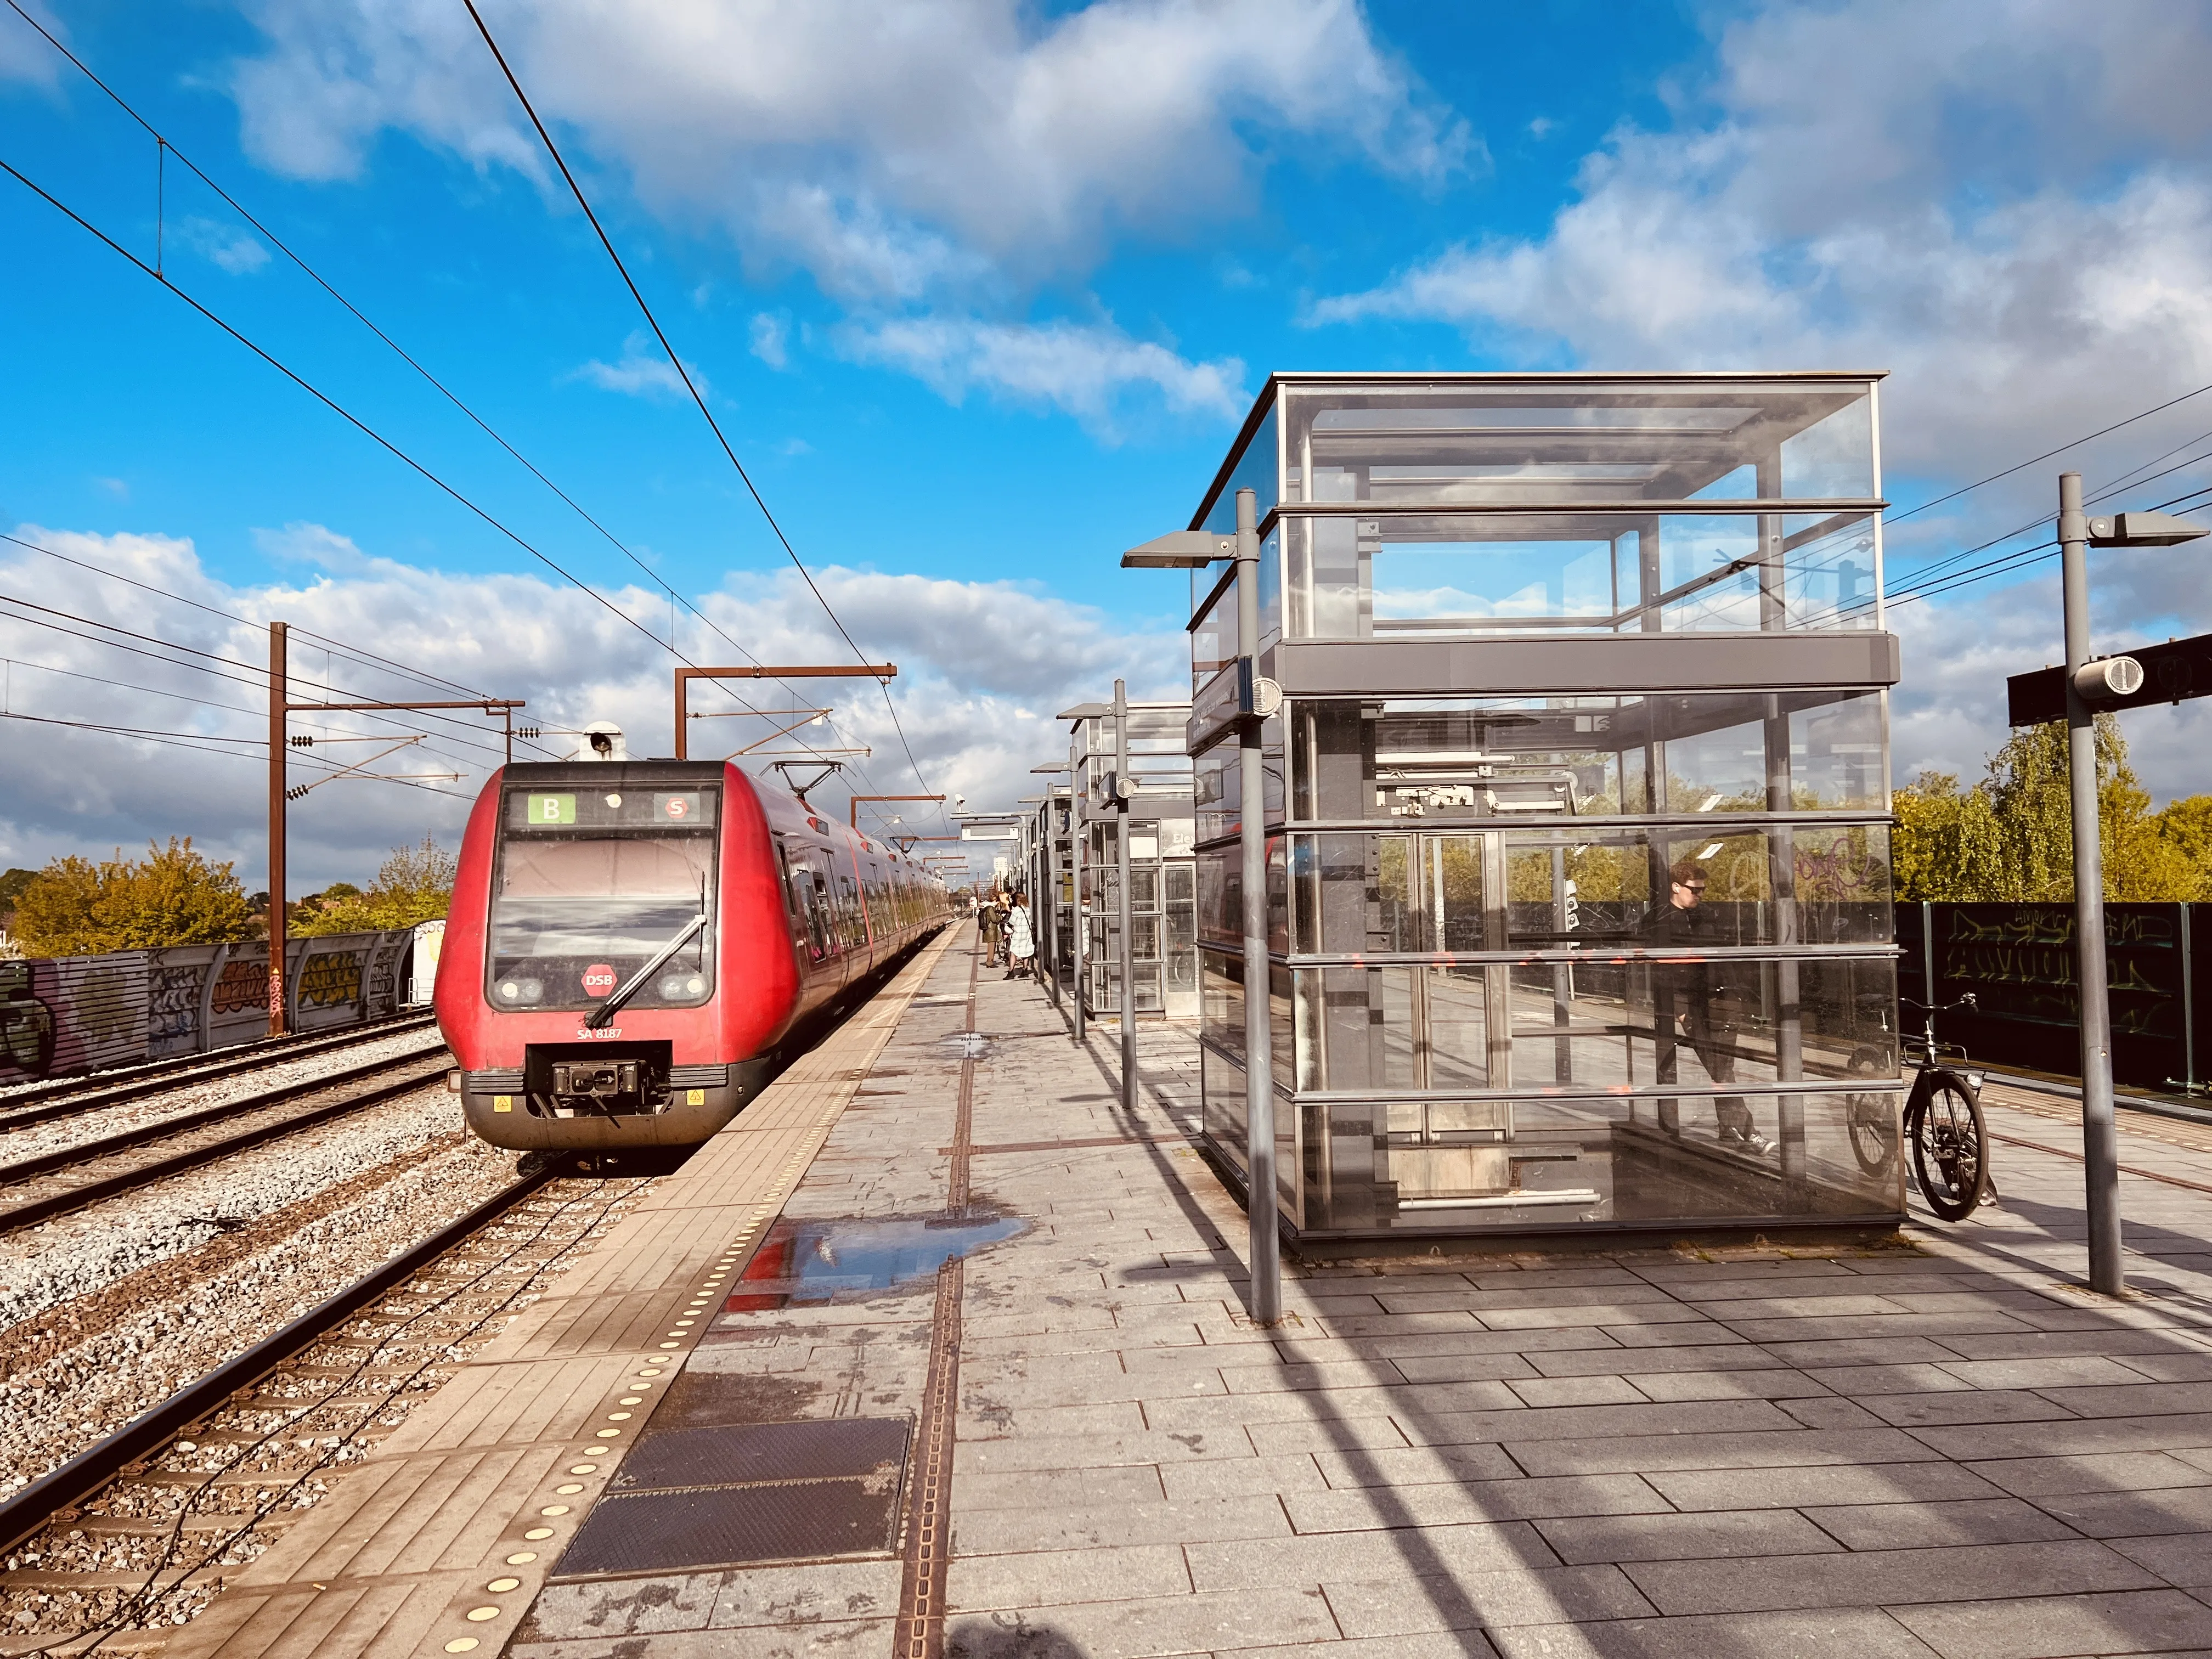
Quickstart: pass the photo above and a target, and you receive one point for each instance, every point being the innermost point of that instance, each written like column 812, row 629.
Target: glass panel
column 1524, row 758
column 1214, row 641
column 1144, row 886
column 1833, row 458
column 1831, row 567
column 1145, row 939
column 1445, row 575
column 1255, row 469
column 1503, row 441
column 1552, row 1163
column 1178, row 878
column 1360, row 893
column 1838, row 758
column 1220, row 915
column 1215, row 792
column 1221, row 1016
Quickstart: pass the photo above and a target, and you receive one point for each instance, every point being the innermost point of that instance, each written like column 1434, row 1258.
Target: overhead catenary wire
column 167, row 148
column 336, row 408
column 202, row 743
column 219, row 672
column 1898, row 518
column 690, row 386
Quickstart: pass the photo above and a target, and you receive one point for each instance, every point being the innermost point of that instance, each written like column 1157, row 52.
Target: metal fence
column 70, row 1014
column 2018, row 960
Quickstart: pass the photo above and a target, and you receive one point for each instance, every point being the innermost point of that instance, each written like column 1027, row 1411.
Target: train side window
column 805, row 913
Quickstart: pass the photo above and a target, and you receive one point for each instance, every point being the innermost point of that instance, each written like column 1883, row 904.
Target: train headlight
column 678, row 987
column 509, row 991
column 533, row 990
column 521, row 991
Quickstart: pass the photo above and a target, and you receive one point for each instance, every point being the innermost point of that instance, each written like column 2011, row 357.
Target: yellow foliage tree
column 413, row 884
column 174, row 896
column 2010, row 837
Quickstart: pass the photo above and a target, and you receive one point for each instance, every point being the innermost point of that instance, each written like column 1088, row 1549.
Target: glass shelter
column 1162, row 889
column 1577, row 804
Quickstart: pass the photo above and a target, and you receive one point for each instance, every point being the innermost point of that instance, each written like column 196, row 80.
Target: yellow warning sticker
column 502, row 1102
column 695, row 1097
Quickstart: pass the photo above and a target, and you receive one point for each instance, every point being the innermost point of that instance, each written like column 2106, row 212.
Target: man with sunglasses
column 1687, row 990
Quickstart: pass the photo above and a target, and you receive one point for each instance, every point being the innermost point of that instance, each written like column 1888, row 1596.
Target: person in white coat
column 1021, row 938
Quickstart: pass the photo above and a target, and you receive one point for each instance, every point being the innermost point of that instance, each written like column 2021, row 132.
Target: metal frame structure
column 1644, row 476
column 879, row 671
column 280, row 797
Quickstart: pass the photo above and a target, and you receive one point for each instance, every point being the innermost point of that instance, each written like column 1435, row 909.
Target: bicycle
column 1942, row 1121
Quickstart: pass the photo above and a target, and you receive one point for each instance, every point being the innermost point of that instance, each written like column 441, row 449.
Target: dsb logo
column 598, row 979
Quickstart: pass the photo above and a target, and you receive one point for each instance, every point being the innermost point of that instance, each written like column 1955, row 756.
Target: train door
column 809, row 931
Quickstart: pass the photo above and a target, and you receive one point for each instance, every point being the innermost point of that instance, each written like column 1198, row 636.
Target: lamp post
column 2087, row 685
column 1256, row 700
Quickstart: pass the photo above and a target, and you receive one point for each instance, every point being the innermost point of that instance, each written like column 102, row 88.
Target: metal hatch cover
column 732, row 1495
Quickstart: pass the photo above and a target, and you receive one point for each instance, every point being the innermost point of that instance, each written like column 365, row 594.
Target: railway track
column 36, row 1188
column 131, row 1536
column 20, row 1109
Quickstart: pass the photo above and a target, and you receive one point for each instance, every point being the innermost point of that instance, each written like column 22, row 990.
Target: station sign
column 2172, row 672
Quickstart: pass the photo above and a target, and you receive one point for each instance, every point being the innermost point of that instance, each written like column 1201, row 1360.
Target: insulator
column 297, row 791
column 301, row 743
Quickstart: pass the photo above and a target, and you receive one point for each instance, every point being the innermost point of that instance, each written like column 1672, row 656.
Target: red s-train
column 631, row 940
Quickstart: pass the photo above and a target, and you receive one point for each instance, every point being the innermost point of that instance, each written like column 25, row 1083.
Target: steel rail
column 39, row 1209
column 98, row 1089
column 94, row 1468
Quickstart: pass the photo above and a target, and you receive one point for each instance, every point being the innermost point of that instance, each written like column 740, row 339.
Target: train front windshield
column 591, row 887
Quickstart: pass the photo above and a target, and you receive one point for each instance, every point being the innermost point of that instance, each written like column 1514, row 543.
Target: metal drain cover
column 731, row 1495
column 852, row 1446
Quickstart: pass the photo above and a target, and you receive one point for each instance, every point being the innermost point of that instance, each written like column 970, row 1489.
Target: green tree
column 174, row 896
column 414, row 883
column 2010, row 837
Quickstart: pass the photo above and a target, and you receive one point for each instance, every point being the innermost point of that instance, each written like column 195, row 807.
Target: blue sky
column 980, row 291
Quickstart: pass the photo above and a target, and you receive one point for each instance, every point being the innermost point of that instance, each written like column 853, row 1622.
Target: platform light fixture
column 1253, row 699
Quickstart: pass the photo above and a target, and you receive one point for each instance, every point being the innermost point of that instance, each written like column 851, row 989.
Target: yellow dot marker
column 555, row 1509
column 539, row 1532
column 620, row 1417
column 521, row 1558
column 672, row 1345
column 584, row 1469
column 478, row 1615
column 501, row 1586
column 462, row 1645
column 569, row 1490
column 608, row 1434
column 630, row 1400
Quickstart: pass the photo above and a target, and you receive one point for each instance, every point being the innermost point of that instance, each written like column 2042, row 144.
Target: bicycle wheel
column 1949, row 1146
column 1873, row 1123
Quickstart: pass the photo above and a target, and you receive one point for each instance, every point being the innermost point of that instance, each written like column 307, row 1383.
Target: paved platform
column 1944, row 1448
column 436, row 1542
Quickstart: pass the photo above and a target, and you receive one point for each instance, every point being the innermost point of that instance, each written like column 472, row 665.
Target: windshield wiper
column 619, row 998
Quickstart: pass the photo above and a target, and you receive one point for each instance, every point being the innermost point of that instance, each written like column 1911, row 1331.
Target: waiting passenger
column 991, row 920
column 1021, row 938
column 1707, row 1016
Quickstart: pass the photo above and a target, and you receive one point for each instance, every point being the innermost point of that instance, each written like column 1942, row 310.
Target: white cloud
column 23, row 55
column 887, row 148
column 2014, row 215
column 643, row 371
column 771, row 339
column 226, row 249
column 1084, row 370
column 982, row 667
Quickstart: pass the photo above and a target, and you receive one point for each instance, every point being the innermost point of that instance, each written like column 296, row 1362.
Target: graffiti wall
column 87, row 1013
column 2018, row 962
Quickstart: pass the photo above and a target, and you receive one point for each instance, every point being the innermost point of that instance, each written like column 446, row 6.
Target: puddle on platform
column 973, row 1045
column 802, row 1264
